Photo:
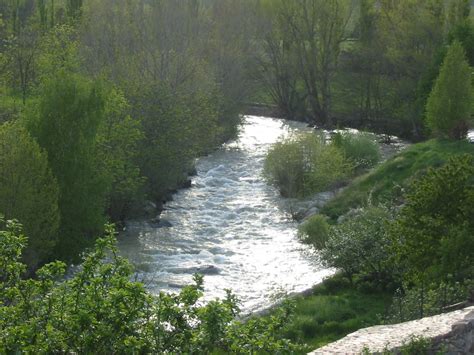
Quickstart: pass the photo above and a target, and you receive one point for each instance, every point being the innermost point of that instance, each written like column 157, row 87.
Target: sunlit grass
column 335, row 309
column 387, row 182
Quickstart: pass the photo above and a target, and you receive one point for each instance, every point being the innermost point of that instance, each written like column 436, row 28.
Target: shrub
column 314, row 231
column 360, row 148
column 361, row 245
column 304, row 164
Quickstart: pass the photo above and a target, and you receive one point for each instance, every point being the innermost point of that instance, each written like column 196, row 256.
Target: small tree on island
column 449, row 105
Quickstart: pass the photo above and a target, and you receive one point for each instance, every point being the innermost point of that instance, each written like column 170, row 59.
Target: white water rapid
column 230, row 225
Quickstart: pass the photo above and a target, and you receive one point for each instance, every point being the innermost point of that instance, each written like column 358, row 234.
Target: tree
column 361, row 245
column 434, row 233
column 65, row 122
column 411, row 32
column 118, row 141
column 317, row 28
column 449, row 105
column 28, row 190
column 279, row 70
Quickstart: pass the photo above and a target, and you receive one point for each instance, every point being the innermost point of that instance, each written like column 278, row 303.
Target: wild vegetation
column 100, row 310
column 120, row 98
column 305, row 164
column 106, row 104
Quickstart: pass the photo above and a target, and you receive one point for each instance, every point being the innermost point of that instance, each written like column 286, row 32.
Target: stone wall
column 452, row 333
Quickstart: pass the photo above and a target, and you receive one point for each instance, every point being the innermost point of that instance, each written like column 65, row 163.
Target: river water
column 230, row 225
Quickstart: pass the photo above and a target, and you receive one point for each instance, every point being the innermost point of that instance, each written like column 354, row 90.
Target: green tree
column 449, row 105
column 28, row 190
column 65, row 122
column 434, row 233
column 118, row 141
column 361, row 245
column 317, row 29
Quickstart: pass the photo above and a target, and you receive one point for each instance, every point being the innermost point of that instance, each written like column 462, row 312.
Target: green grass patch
column 334, row 309
column 387, row 181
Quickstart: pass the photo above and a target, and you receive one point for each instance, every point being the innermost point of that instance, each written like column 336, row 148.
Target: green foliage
column 416, row 302
column 387, row 182
column 177, row 128
column 333, row 310
column 28, row 190
column 314, row 231
column 449, row 104
column 361, row 245
column 434, row 231
column 301, row 54
column 65, row 122
column 118, row 142
column 360, row 148
column 302, row 165
column 99, row 310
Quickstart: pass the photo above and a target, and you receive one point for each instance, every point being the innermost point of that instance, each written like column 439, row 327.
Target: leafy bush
column 304, row 164
column 361, row 245
column 99, row 310
column 314, row 231
column 360, row 148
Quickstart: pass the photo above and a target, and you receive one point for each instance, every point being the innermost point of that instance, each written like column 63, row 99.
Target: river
column 231, row 225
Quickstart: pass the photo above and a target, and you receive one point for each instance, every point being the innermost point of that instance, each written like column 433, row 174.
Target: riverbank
column 337, row 307
column 231, row 224
column 331, row 310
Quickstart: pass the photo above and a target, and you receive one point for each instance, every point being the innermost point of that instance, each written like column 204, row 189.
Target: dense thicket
column 122, row 96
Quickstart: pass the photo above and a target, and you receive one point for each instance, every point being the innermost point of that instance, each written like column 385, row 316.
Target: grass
column 334, row 309
column 387, row 181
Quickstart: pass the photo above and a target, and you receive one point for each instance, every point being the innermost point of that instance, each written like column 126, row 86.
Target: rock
column 203, row 270
column 207, row 270
column 450, row 333
column 168, row 197
column 187, row 184
column 149, row 208
column 163, row 223
column 311, row 212
column 155, row 221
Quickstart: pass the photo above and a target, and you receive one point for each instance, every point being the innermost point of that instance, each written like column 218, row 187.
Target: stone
column 451, row 332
